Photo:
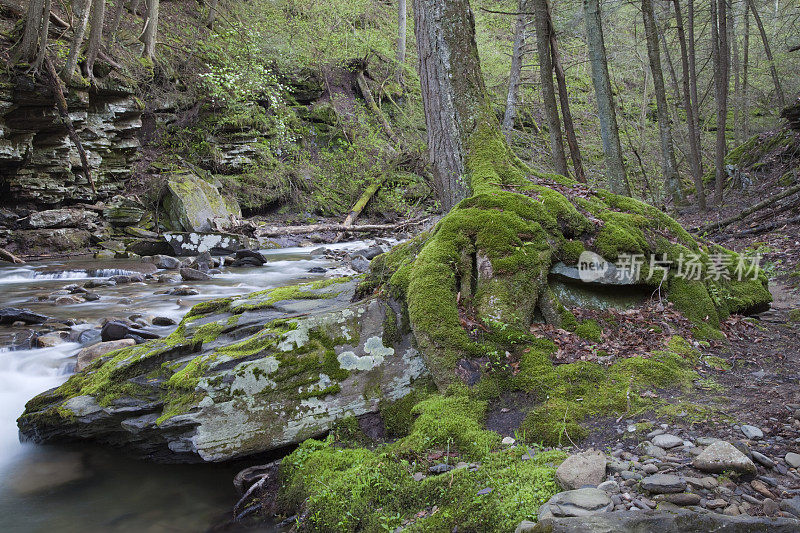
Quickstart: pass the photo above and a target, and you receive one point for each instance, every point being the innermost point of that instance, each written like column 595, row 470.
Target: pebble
column 508, row 441
column 610, row 487
column 752, row 432
column 441, row 468
column 792, row 459
column 761, row 488
column 418, row 476
column 717, row 503
column 770, row 507
column 650, row 469
column 683, row 499
column 762, row 459
column 663, row 484
column 667, row 441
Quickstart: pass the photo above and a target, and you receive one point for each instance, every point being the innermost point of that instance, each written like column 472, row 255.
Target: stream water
column 85, row 488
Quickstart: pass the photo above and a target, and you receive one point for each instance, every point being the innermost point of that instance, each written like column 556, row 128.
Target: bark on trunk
column 115, row 22
column 563, row 98
column 609, row 131
column 449, row 65
column 719, row 49
column 150, row 32
column 768, row 51
column 669, row 165
column 81, row 20
column 688, row 104
column 548, row 89
column 402, row 17
column 95, row 35
column 515, row 73
column 745, row 130
column 30, row 35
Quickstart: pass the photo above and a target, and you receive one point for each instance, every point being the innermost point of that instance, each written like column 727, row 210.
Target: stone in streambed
column 721, row 456
column 192, row 274
column 579, row 470
column 663, row 484
column 580, row 502
column 90, row 353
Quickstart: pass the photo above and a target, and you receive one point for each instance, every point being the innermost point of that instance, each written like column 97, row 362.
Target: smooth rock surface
column 721, row 456
column 579, row 470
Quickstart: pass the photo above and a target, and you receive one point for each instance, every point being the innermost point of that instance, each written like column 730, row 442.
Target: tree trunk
column 79, row 30
column 95, row 35
column 548, row 89
column 768, row 51
column 733, row 39
column 515, row 73
column 745, row 129
column 213, row 5
column 688, row 104
column 402, row 17
column 44, row 28
column 29, row 45
column 563, row 98
column 693, row 81
column 720, row 55
column 444, row 31
column 609, row 131
column 115, row 22
column 669, row 165
column 150, row 32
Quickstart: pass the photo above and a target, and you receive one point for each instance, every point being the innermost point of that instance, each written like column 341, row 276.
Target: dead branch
column 20, row 12
column 716, row 226
column 8, row 256
column 274, row 231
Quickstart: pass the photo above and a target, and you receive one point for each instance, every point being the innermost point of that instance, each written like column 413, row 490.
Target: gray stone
column 792, row 459
column 59, row 218
column 721, row 456
column 609, row 486
column 440, row 468
column 579, row 470
column 667, row 441
column 580, row 502
column 9, row 315
column 192, row 274
column 90, row 353
column 752, row 432
column 163, row 321
column 667, row 521
column 762, row 459
column 663, row 484
column 791, row 506
column 683, row 499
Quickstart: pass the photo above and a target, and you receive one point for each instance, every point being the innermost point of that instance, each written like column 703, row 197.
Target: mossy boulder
column 239, row 376
column 195, row 205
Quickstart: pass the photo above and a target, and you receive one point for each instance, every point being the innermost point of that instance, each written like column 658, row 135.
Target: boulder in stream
column 239, row 377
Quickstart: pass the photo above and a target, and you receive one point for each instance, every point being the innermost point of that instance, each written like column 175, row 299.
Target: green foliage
column 589, row 330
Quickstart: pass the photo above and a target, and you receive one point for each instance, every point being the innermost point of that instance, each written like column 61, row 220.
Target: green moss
column 589, row 330
column 570, row 393
column 571, row 251
column 397, row 415
column 794, row 315
column 304, row 291
column 219, row 305
column 320, row 393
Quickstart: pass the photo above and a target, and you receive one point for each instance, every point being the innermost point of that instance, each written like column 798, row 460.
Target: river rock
column 248, row 258
column 195, row 205
column 579, row 470
column 192, row 274
column 114, row 331
column 667, row 441
column 667, row 521
column 50, row 339
column 792, row 459
column 663, row 484
column 721, row 456
column 90, row 353
column 163, row 321
column 166, row 262
column 580, row 502
column 255, row 385
column 752, row 432
column 9, row 315
column 59, row 218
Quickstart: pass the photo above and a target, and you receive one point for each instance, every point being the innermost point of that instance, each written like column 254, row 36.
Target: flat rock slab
column 677, row 521
column 721, row 456
column 663, row 484
column 580, row 502
column 752, row 432
column 667, row 441
column 579, row 470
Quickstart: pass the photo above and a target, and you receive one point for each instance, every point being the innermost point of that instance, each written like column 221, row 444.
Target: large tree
column 476, row 280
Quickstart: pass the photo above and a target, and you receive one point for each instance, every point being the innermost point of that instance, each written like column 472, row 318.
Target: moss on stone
column 589, row 330
column 219, row 305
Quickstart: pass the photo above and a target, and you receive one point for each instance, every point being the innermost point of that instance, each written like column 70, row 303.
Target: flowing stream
column 81, row 487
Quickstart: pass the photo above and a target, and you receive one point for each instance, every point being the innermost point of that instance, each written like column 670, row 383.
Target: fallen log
column 361, row 204
column 275, row 231
column 758, row 230
column 716, row 226
column 8, row 256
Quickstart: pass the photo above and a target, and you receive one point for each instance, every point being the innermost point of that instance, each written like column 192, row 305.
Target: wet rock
column 114, row 331
column 195, row 205
column 752, row 432
column 120, row 279
column 191, row 274
column 762, row 459
column 317, row 270
column 51, row 339
column 667, row 441
column 9, row 315
column 580, row 502
column 248, row 258
column 721, row 456
column 91, row 297
column 90, row 353
column 163, row 321
column 145, row 247
column 68, row 300
column 663, row 484
column 791, row 506
column 369, row 253
column 359, row 264
column 183, row 290
column 579, row 470
column 792, row 459
column 166, row 262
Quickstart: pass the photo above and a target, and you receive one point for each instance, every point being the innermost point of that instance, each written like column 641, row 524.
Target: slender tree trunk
column 669, row 165
column 733, row 38
column 745, row 130
column 691, row 119
column 444, row 31
column 548, row 89
column 150, row 32
column 115, row 22
column 515, row 74
column 79, row 29
column 720, row 55
column 43, row 30
column 402, row 17
column 563, row 97
column 213, row 5
column 134, row 7
column 609, row 131
column 95, row 35
column 768, row 51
